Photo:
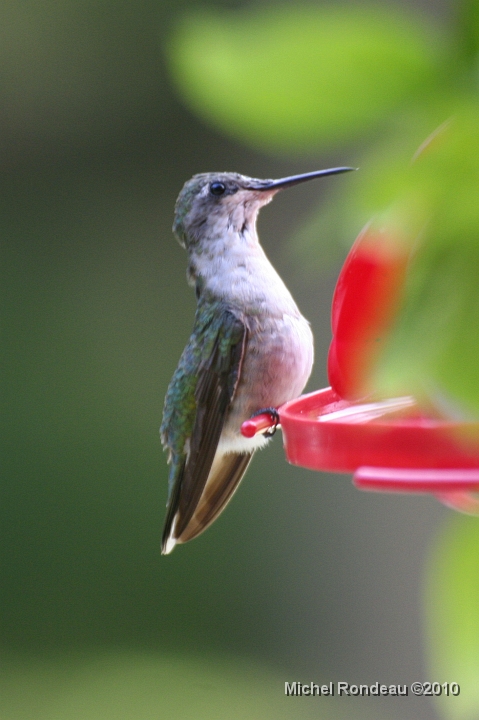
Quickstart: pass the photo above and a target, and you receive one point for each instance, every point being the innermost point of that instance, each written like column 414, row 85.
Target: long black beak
column 296, row 179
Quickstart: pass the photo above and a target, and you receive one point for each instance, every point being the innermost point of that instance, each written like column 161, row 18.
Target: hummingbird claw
column 275, row 417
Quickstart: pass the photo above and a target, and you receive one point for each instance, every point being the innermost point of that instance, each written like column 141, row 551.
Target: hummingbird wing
column 196, row 405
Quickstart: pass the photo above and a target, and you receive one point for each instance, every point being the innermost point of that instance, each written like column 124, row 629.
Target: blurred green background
column 106, row 109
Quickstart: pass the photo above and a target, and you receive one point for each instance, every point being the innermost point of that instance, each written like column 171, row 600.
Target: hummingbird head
column 215, row 205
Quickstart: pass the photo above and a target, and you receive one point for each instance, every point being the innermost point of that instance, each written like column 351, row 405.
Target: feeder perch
column 389, row 445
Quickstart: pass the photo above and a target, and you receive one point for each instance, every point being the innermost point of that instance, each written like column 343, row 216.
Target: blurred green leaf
column 467, row 34
column 452, row 602
column 435, row 343
column 302, row 77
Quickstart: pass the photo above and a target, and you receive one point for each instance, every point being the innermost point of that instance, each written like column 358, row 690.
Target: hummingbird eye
column 217, row 188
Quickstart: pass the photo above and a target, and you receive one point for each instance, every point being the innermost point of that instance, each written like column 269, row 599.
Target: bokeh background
column 103, row 116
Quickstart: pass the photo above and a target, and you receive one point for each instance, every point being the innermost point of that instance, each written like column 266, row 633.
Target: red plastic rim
column 389, row 445
column 324, row 432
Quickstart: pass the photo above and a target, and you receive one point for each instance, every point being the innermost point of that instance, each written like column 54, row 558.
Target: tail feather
column 222, row 483
column 224, row 477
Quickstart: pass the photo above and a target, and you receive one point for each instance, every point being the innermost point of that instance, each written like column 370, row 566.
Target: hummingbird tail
column 225, row 475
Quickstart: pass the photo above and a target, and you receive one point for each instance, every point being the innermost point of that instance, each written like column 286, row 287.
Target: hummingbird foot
column 275, row 418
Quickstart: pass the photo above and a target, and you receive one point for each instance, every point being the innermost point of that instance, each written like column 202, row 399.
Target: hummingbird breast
column 280, row 350
column 276, row 367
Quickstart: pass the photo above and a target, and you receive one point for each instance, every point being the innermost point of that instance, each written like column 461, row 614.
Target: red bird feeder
column 389, row 445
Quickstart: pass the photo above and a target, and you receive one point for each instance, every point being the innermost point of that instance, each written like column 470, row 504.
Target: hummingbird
column 250, row 351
